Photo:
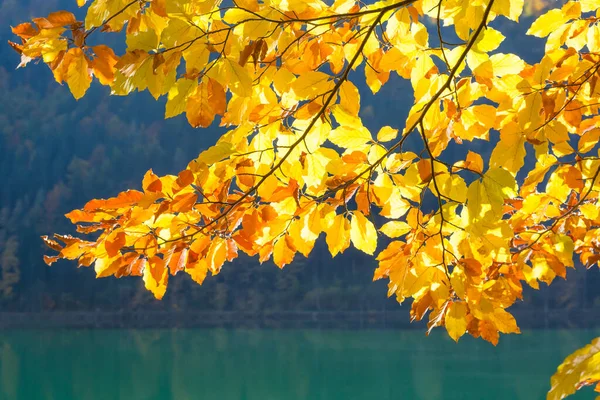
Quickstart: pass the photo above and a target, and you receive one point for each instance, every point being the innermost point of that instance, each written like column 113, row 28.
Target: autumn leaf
column 363, row 233
column 216, row 153
column 578, row 369
column 386, row 134
column 310, row 84
column 207, row 101
column 547, row 23
column 395, row 229
column 456, row 320
column 104, row 63
column 156, row 276
column 78, row 76
column 510, row 150
column 338, row 235
column 349, row 137
column 284, row 251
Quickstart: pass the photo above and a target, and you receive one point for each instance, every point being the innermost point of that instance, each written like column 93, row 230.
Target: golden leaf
column 456, row 320
column 363, row 233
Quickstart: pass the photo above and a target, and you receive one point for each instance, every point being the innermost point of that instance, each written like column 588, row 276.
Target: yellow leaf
column 386, row 134
column 311, row 84
column 562, row 149
column 589, row 140
column 395, row 229
column 239, row 80
column 510, row 150
column 236, row 15
column 456, row 320
column 338, row 235
column 197, row 271
column 451, row 187
column 504, row 321
column 349, row 138
column 578, row 369
column 424, row 64
column 485, row 114
column 589, row 5
column 489, row 41
column 134, row 69
column 349, row 98
column 255, row 29
column 156, row 276
column 146, row 40
column 375, row 80
column 547, row 23
column 363, row 233
column 488, row 195
column 302, row 239
column 510, row 8
column 506, row 64
column 205, row 103
column 178, row 95
column 283, row 251
column 345, row 119
column 107, row 266
column 216, row 153
column 536, row 175
column 593, row 38
column 196, row 56
column 101, row 10
column 78, row 76
column 179, row 31
column 395, row 206
column 160, row 82
column 590, row 211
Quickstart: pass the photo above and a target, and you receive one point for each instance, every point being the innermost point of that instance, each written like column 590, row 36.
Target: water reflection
column 277, row 364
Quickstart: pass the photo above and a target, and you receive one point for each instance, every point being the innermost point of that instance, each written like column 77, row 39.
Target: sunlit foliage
column 580, row 369
column 458, row 237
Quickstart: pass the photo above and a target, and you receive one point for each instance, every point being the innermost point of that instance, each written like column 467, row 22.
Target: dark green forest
column 56, row 154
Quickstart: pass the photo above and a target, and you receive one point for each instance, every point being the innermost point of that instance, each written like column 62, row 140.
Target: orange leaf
column 362, row 200
column 283, row 251
column 216, row 256
column 184, row 202
column 104, row 63
column 207, row 101
column 124, row 199
column 178, row 261
column 26, row 30
column 232, row 250
column 156, row 277
column 488, row 331
column 114, row 243
column 61, row 18
column 49, row 260
column 197, row 271
column 151, row 182
column 53, row 244
column 185, row 178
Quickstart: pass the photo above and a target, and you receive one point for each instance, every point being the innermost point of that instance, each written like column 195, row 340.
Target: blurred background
column 56, row 154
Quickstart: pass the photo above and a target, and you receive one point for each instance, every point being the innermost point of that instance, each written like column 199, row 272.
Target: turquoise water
column 278, row 364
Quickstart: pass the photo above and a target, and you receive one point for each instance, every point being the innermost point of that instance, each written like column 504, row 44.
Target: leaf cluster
column 297, row 161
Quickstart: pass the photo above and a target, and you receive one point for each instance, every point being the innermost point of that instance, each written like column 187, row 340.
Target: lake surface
column 224, row 364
